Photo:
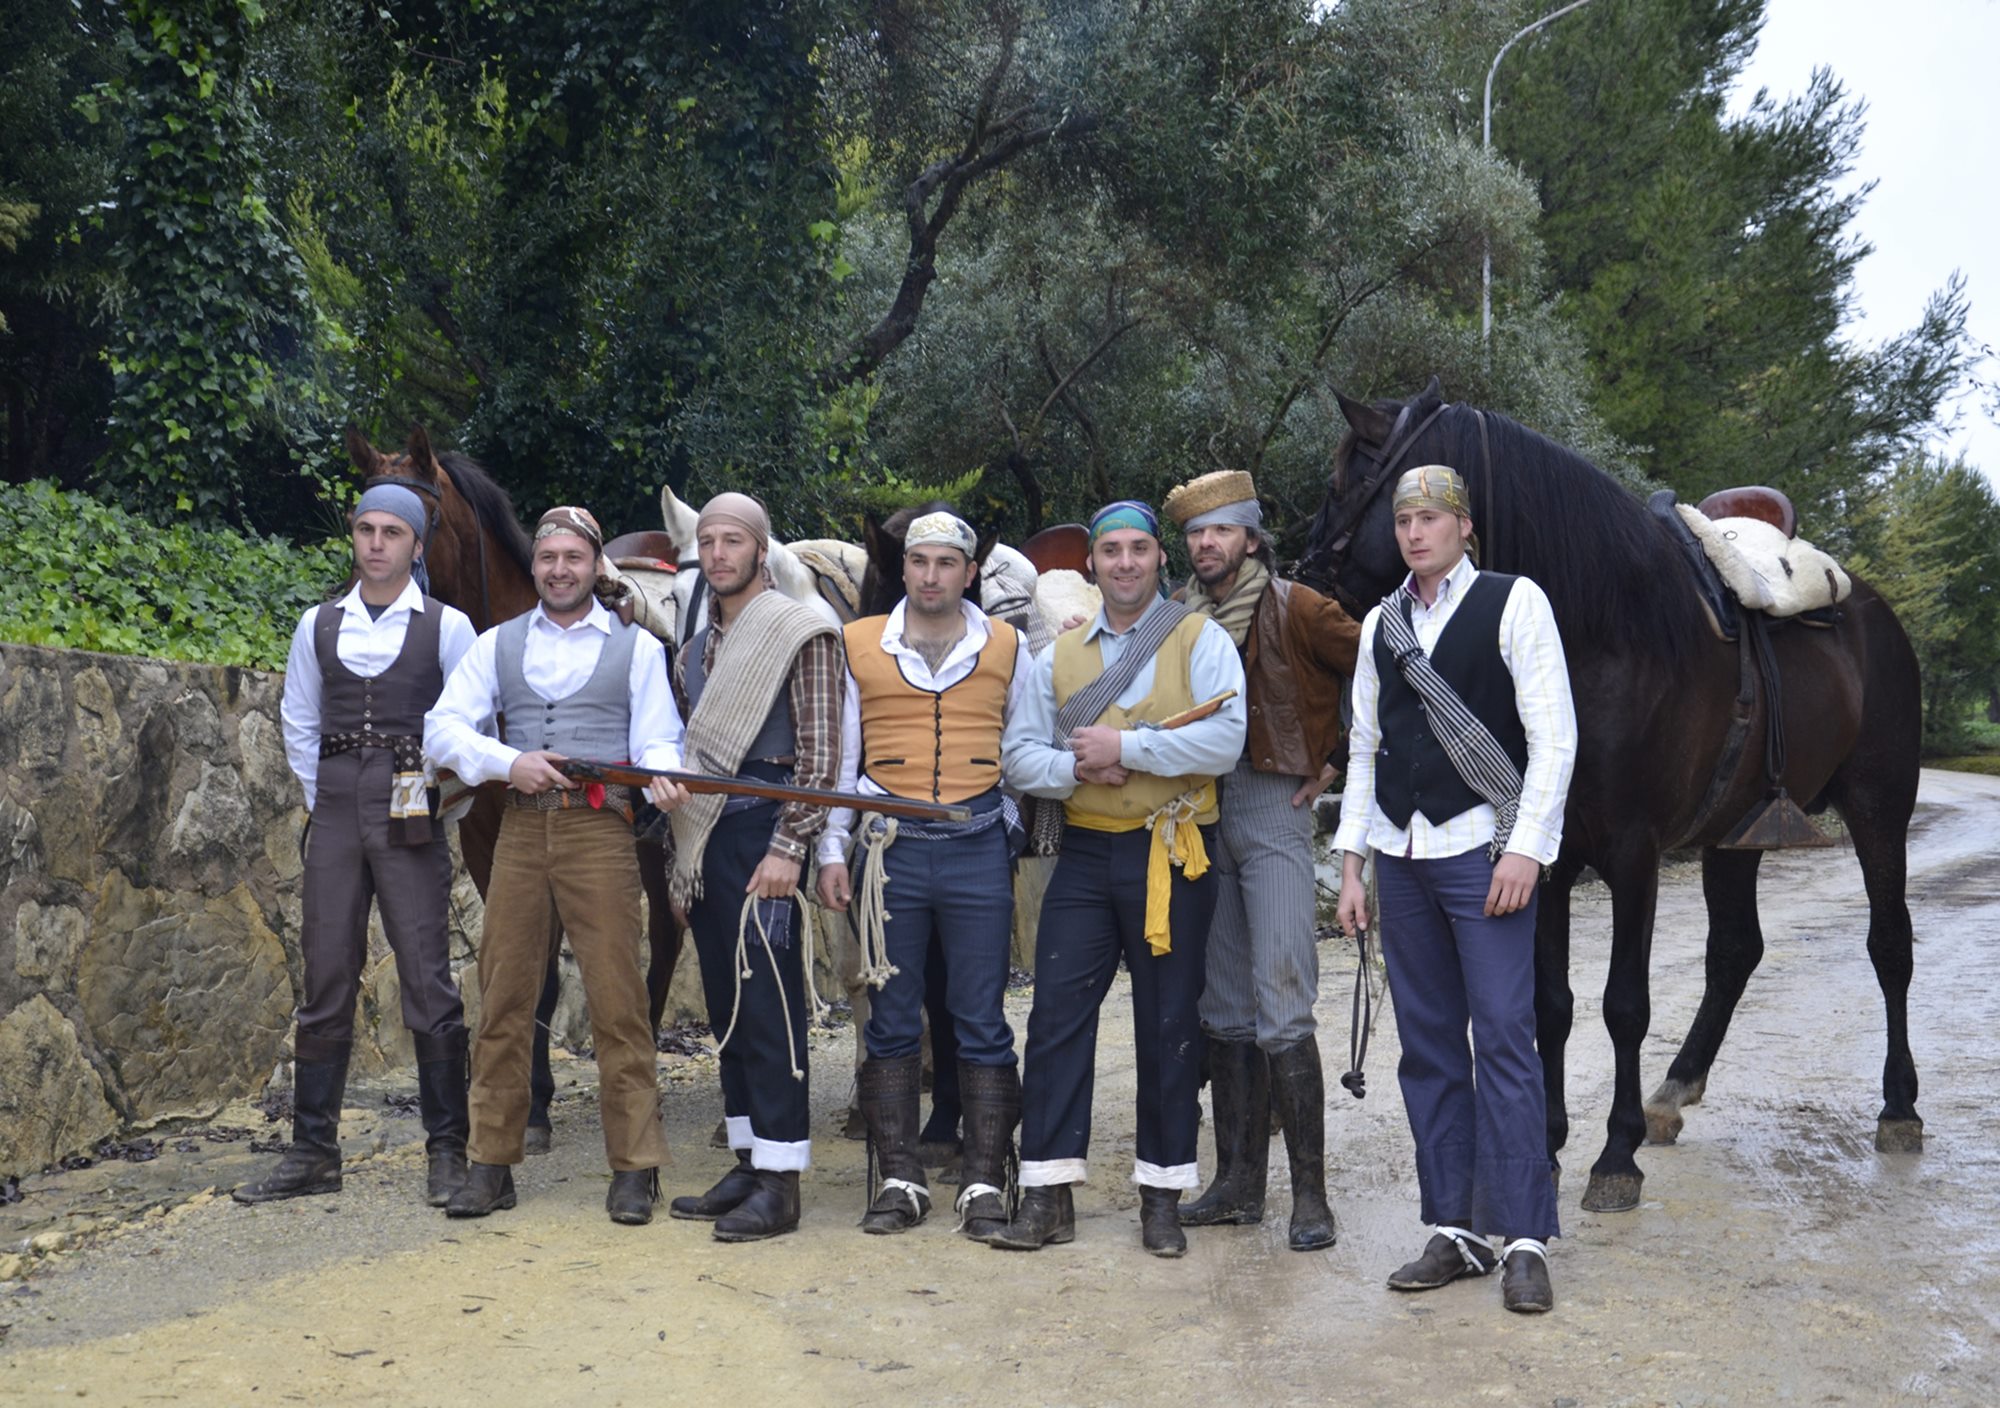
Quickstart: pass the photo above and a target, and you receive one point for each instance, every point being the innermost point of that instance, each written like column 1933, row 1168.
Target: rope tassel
column 819, row 1009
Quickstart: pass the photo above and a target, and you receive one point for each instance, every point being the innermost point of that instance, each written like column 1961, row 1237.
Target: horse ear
column 1371, row 425
column 364, row 455
column 680, row 522
column 420, row 451
column 873, row 539
column 987, row 542
column 1433, row 391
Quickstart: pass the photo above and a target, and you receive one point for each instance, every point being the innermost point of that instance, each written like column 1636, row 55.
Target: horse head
column 1352, row 550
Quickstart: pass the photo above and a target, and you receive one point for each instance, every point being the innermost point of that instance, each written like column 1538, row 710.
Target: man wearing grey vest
column 362, row 672
column 570, row 681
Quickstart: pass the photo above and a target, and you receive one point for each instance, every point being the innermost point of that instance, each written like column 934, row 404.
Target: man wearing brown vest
column 1263, row 965
column 929, row 689
column 361, row 674
column 1133, row 876
column 570, row 680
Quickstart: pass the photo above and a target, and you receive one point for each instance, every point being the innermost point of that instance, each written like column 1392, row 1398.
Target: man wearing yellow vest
column 1132, row 879
column 929, row 688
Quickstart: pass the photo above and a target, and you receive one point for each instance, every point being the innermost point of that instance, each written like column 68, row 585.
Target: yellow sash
column 1176, row 841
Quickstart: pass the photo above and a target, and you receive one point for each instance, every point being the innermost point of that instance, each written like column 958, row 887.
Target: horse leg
column 1735, row 947
column 663, row 935
column 1634, row 879
column 1881, row 834
column 1555, row 1003
column 541, row 1076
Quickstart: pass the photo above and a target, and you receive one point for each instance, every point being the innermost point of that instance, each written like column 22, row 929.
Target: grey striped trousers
column 1263, row 967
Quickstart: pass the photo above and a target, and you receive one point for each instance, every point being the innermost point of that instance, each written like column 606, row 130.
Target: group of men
column 1174, row 743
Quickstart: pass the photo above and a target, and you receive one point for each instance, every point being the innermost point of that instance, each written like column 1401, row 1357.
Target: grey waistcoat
column 594, row 722
column 776, row 739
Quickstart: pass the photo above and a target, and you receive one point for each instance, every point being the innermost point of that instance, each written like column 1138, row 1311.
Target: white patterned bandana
column 942, row 529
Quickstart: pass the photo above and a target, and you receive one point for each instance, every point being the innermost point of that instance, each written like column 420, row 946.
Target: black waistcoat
column 1413, row 773
column 392, row 703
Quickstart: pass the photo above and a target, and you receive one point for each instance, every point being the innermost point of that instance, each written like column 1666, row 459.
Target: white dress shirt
column 367, row 646
column 1036, row 763
column 1532, row 648
column 556, row 662
column 958, row 664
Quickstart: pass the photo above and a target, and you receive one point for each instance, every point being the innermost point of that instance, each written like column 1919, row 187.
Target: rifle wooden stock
column 1197, row 713
column 584, row 770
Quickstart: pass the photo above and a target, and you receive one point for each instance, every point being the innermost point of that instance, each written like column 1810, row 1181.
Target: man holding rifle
column 570, row 681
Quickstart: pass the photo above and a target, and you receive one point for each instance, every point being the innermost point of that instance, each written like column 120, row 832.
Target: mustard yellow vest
column 940, row 745
column 1101, row 808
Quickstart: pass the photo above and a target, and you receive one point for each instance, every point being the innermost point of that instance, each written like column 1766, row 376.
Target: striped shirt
column 1532, row 649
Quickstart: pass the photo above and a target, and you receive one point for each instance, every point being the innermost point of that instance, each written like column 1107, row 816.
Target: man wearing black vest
column 571, row 681
column 362, row 672
column 1458, row 767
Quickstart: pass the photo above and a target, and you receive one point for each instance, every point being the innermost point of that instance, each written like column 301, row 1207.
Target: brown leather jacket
column 1300, row 647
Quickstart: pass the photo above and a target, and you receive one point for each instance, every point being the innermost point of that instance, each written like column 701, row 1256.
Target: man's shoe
column 992, row 1096
column 301, row 1173
column 726, row 1196
column 1160, row 1221
column 1452, row 1252
column 1047, row 1217
column 1524, row 1279
column 312, row 1164
column 632, row 1195
column 890, row 1090
column 487, row 1188
column 771, row 1209
column 441, row 1097
column 446, row 1175
column 1239, row 1083
column 537, row 1139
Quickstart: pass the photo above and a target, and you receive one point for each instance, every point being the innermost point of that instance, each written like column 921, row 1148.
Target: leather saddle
column 1719, row 603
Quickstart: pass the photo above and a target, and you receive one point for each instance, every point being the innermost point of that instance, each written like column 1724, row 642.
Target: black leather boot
column 487, row 1188
column 726, row 1196
column 1239, row 1085
column 312, row 1165
column 1160, row 1221
column 890, row 1092
column 771, row 1209
column 1047, row 1217
column 441, row 1096
column 992, row 1096
column 1452, row 1252
column 1524, row 1277
column 632, row 1195
column 1298, row 1088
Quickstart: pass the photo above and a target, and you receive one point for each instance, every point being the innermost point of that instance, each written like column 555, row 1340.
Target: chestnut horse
column 478, row 558
column 1655, row 692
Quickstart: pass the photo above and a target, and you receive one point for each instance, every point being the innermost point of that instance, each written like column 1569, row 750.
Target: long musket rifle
column 584, row 770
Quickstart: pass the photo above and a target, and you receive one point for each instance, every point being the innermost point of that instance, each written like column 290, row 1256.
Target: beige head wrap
column 740, row 509
column 569, row 519
column 1433, row 486
column 941, row 529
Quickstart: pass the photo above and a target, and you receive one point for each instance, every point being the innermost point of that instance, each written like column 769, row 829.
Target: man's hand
column 1096, row 746
column 833, row 888
column 1070, row 623
column 774, row 879
column 1314, row 786
column 1113, row 776
column 537, row 772
column 1513, row 884
column 666, row 794
column 1352, row 913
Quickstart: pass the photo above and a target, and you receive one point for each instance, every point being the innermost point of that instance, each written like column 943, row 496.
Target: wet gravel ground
column 1777, row 1258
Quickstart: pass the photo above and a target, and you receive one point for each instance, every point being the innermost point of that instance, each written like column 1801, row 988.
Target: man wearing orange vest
column 1133, row 876
column 930, row 686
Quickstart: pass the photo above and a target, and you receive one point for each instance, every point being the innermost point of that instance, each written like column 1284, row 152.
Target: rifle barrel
column 584, row 770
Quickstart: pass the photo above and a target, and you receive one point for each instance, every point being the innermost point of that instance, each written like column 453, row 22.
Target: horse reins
column 430, row 491
column 1393, row 451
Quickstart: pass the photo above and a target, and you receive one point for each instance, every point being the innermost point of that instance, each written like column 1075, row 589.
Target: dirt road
column 1777, row 1258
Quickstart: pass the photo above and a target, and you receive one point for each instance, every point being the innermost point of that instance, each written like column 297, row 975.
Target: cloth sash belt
column 986, row 814
column 597, row 796
column 1474, row 752
column 1176, row 841
column 410, row 787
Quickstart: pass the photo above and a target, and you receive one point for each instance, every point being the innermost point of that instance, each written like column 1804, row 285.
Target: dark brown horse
column 478, row 557
column 1655, row 694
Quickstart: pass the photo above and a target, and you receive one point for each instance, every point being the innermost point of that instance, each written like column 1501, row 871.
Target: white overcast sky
column 1927, row 71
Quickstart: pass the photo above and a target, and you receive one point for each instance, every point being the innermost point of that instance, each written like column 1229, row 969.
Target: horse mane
column 492, row 505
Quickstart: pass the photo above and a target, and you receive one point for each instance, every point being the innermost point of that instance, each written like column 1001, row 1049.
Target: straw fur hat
column 1208, row 493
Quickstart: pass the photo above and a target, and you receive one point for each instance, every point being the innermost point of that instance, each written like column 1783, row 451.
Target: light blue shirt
column 1036, row 762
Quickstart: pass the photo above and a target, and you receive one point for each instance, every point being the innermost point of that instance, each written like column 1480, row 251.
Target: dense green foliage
column 86, row 574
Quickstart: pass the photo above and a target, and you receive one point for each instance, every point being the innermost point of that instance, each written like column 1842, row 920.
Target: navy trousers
column 960, row 891
column 766, row 1107
column 1095, row 911
column 1476, row 1111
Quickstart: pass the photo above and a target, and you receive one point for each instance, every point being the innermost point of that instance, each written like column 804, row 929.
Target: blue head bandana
column 1126, row 513
column 404, row 504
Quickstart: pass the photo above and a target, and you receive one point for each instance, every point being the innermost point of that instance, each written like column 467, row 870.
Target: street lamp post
column 1486, row 146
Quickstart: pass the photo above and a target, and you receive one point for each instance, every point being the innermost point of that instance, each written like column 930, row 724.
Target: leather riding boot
column 487, row 1188
column 890, row 1092
column 1047, row 1217
column 1160, row 1221
column 1452, row 1252
column 1239, row 1084
column 992, row 1096
column 772, row 1208
column 727, row 1194
column 1524, row 1278
column 632, row 1195
column 1298, row 1088
column 441, row 1096
column 312, row 1164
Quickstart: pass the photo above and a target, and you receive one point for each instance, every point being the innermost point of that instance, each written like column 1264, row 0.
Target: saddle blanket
column 1768, row 572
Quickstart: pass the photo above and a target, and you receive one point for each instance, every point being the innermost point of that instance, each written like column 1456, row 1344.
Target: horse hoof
column 1612, row 1192
column 1663, row 1126
column 1899, row 1136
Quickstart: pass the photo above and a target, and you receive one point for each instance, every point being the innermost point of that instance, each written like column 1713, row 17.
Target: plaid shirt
column 814, row 685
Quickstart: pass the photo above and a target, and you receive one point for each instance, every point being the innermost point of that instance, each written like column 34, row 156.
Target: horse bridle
column 1334, row 556
column 431, row 492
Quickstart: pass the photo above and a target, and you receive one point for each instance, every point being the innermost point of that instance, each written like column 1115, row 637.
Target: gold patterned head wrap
column 1433, row 486
column 569, row 519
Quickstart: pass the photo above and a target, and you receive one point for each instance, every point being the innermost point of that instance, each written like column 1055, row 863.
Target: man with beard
column 761, row 685
column 1263, row 966
column 570, row 681
column 1136, row 796
column 929, row 689
column 361, row 674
